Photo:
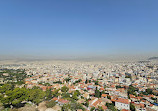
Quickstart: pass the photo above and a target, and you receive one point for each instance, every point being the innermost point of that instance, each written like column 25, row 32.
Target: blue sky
column 78, row 27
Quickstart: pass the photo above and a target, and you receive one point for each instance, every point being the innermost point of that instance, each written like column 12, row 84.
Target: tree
column 57, row 82
column 35, row 87
column 132, row 107
column 103, row 92
column 15, row 97
column 118, row 87
column 92, row 109
column 100, row 108
column 6, row 87
column 50, row 104
column 48, row 94
column 18, row 95
column 65, row 107
column 36, row 95
column 76, row 92
column 86, row 81
column 149, row 91
column 79, row 80
column 97, row 93
column 108, row 97
column 64, row 89
column 56, row 93
column 67, row 79
column 111, row 106
column 131, row 90
column 1, row 106
column 96, row 82
column 73, row 106
column 46, row 84
column 75, row 95
column 86, row 103
column 65, row 95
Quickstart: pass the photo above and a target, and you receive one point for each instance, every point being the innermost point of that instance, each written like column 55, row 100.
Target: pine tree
column 97, row 93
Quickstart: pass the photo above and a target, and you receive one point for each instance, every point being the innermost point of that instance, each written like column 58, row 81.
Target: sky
column 78, row 27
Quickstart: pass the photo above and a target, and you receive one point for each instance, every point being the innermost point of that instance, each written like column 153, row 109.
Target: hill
column 153, row 58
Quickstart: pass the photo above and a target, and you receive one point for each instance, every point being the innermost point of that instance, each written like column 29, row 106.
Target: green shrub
column 50, row 104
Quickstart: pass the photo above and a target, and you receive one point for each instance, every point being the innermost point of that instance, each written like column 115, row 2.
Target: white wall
column 122, row 106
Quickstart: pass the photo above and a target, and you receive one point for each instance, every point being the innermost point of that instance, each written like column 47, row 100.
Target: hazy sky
column 78, row 27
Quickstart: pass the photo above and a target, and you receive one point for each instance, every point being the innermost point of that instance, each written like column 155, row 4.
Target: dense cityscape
column 78, row 55
column 79, row 86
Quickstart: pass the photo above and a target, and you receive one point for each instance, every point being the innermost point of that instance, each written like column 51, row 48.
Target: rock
column 50, row 109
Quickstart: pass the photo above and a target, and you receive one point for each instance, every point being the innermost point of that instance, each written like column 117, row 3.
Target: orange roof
column 118, row 90
column 95, row 103
column 131, row 96
column 135, row 84
column 104, row 95
column 101, row 88
column 112, row 86
column 63, row 101
column 143, row 101
column 139, row 97
column 141, row 105
column 27, row 82
column 113, row 100
column 124, row 110
column 44, row 88
column 151, row 105
column 55, row 98
column 121, row 100
column 151, row 95
column 104, row 107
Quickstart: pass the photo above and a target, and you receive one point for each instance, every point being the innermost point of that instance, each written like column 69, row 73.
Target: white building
column 121, row 103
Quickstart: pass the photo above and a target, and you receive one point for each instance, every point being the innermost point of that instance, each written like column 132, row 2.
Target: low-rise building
column 121, row 103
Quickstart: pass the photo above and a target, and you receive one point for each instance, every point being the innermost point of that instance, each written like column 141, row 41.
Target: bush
column 50, row 104
column 1, row 106
column 73, row 106
column 64, row 89
column 111, row 106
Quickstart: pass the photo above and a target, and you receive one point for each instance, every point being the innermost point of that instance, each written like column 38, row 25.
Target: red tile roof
column 121, row 100
column 104, row 107
column 55, row 98
column 63, row 101
column 104, row 95
column 96, row 103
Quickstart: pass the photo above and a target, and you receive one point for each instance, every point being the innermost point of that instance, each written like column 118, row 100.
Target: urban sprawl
column 79, row 86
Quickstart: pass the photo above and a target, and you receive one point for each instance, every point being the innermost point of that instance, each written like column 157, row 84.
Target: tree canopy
column 64, row 89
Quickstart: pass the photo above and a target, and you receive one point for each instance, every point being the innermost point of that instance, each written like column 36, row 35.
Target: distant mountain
column 153, row 58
